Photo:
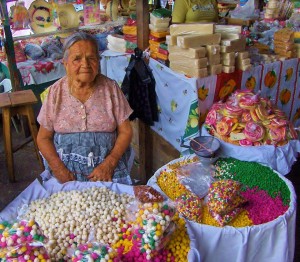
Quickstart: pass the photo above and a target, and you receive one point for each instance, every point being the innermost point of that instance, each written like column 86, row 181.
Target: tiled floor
column 27, row 169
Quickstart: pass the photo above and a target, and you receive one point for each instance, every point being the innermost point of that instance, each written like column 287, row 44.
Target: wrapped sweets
column 246, row 119
column 152, row 227
column 21, row 241
column 224, row 200
column 92, row 252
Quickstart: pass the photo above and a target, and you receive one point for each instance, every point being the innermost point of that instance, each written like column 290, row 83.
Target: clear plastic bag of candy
column 190, row 206
column 92, row 252
column 151, row 225
column 224, row 201
column 196, row 178
column 21, row 241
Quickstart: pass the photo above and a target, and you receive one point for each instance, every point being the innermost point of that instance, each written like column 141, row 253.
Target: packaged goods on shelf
column 189, row 71
column 187, row 41
column 284, row 43
column 213, row 49
column 228, row 69
column 228, row 29
column 214, row 59
column 188, row 62
column 197, row 28
column 230, row 56
column 215, row 69
column 198, row 52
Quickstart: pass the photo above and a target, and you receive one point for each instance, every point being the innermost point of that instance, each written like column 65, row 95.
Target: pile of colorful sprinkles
column 267, row 195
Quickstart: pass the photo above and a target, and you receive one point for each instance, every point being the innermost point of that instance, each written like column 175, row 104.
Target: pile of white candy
column 70, row 216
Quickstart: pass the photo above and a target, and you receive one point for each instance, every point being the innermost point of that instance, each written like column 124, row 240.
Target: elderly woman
column 84, row 130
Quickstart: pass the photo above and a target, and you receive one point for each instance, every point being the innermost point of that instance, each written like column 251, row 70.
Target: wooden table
column 19, row 102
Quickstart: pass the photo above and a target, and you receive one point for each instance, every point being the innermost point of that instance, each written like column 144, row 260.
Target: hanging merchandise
column 91, row 12
column 139, row 88
column 41, row 17
column 20, row 16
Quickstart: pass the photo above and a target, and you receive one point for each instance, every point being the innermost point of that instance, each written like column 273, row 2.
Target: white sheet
column 35, row 191
column 280, row 158
column 273, row 241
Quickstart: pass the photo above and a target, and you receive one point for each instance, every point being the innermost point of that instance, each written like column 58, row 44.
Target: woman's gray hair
column 76, row 37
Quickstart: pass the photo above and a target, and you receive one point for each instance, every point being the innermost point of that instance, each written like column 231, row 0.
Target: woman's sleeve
column 45, row 117
column 121, row 107
column 179, row 11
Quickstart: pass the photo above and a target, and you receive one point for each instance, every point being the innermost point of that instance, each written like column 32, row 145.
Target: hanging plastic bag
column 245, row 12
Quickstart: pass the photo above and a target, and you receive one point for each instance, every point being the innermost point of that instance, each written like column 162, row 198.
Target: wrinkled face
column 82, row 63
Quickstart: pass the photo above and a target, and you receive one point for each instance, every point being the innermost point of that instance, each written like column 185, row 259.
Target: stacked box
column 194, row 49
column 130, row 34
column 284, row 43
column 159, row 29
column 233, row 43
column 116, row 43
column 272, row 9
column 214, row 59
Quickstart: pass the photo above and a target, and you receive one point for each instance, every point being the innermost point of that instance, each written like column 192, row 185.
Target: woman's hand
column 47, row 148
column 103, row 172
column 64, row 175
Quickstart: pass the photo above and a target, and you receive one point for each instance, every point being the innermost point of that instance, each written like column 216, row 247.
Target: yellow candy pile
column 179, row 244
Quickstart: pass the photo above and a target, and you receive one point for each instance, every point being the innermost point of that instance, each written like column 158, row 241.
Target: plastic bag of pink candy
column 21, row 241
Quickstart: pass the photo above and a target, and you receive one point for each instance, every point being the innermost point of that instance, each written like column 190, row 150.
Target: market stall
column 262, row 230
column 252, row 218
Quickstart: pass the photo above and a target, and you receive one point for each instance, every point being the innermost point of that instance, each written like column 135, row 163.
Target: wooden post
column 9, row 49
column 144, row 137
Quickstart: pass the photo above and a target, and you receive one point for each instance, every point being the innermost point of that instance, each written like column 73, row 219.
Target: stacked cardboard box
column 116, row 43
column 159, row 28
column 284, row 43
column 272, row 9
column 194, row 49
column 130, row 34
column 233, row 46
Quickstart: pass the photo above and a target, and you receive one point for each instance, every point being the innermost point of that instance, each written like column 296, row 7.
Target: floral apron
column 82, row 152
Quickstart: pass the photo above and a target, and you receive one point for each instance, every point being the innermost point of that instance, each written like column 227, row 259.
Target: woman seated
column 192, row 11
column 84, row 130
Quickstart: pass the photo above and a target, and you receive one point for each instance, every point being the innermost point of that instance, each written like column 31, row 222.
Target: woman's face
column 82, row 63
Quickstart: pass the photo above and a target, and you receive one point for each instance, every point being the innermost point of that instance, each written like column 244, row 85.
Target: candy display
column 190, row 207
column 154, row 223
column 67, row 218
column 266, row 194
column 224, row 200
column 94, row 224
column 22, row 241
column 246, row 119
column 147, row 194
column 92, row 252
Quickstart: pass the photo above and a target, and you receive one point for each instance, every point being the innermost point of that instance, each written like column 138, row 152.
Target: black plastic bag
column 139, row 88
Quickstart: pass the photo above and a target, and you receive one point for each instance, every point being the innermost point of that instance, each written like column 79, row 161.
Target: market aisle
column 27, row 169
